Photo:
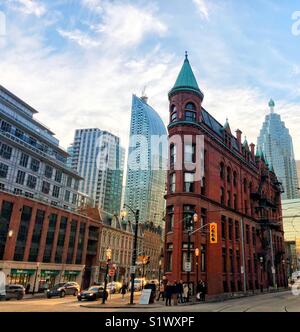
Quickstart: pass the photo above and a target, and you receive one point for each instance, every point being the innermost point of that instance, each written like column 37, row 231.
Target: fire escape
column 264, row 207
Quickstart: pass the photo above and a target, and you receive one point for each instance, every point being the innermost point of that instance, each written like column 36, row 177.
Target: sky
column 78, row 62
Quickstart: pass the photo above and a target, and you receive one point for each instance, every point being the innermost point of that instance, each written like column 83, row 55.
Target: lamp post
column 159, row 270
column 197, row 264
column 108, row 259
column 134, row 253
column 190, row 228
column 261, row 259
column 36, row 275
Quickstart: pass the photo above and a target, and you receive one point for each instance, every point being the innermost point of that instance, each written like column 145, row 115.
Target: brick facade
column 238, row 192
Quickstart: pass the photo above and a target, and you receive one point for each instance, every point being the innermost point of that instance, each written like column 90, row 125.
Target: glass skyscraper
column 276, row 144
column 146, row 175
column 98, row 157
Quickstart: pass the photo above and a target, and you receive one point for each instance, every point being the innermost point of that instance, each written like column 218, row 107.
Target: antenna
column 144, row 96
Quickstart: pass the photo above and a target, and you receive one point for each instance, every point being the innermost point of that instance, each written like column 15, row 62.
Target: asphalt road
column 273, row 302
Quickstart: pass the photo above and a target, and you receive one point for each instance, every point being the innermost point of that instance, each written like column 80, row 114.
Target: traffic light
column 213, row 233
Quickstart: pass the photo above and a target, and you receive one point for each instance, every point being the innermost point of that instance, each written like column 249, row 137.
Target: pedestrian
column 27, row 289
column 204, row 290
column 199, row 290
column 185, row 293
column 180, row 291
column 169, row 293
column 175, row 293
column 161, row 291
column 123, row 291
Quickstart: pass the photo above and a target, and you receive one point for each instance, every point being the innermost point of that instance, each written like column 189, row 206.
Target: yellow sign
column 213, row 233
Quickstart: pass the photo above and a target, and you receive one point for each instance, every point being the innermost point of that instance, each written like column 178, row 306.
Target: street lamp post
column 261, row 259
column 195, row 219
column 108, row 258
column 197, row 264
column 36, row 274
column 159, row 270
column 134, row 253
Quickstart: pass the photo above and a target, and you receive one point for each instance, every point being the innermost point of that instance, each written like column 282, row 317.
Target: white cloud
column 79, row 37
column 202, row 8
column 94, row 5
column 28, row 7
column 126, row 25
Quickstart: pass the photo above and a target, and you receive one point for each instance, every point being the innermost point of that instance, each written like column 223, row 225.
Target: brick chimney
column 239, row 139
column 252, row 148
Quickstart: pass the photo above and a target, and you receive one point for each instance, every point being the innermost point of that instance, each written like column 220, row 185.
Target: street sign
column 242, row 269
column 132, row 269
column 273, row 270
column 187, row 266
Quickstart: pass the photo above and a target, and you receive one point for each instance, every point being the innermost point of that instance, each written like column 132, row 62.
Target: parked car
column 114, row 287
column 92, row 294
column 138, row 284
column 14, row 292
column 62, row 289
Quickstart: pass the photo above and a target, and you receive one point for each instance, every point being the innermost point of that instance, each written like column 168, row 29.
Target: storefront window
column 21, row 277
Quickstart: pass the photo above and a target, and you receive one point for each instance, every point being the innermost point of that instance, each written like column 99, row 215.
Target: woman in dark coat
column 168, row 293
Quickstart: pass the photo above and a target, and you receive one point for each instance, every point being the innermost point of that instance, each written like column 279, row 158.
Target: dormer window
column 190, row 107
column 190, row 116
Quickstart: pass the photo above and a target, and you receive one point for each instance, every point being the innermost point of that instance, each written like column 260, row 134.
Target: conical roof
column 186, row 80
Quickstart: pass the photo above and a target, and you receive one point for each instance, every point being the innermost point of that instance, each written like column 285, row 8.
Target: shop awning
column 22, row 271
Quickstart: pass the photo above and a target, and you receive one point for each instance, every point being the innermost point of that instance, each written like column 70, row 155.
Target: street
column 272, row 302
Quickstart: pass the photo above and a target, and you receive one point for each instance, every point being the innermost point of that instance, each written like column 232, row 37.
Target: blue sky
column 79, row 61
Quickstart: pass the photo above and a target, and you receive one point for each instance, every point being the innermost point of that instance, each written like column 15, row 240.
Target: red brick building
column 238, row 191
column 42, row 244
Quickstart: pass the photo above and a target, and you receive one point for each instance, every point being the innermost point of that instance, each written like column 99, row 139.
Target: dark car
column 14, row 292
column 92, row 294
column 62, row 289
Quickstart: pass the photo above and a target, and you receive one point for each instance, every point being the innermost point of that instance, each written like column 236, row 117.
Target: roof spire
column 271, row 105
column 186, row 80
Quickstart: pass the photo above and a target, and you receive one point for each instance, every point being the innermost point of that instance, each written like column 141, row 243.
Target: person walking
column 161, row 291
column 198, row 290
column 123, row 291
column 185, row 293
column 175, row 293
column 180, row 291
column 204, row 290
column 168, row 293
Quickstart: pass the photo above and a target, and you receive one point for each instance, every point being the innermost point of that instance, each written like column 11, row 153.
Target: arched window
column 222, row 170
column 228, row 174
column 172, row 154
column 234, row 178
column 245, row 185
column 190, row 107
